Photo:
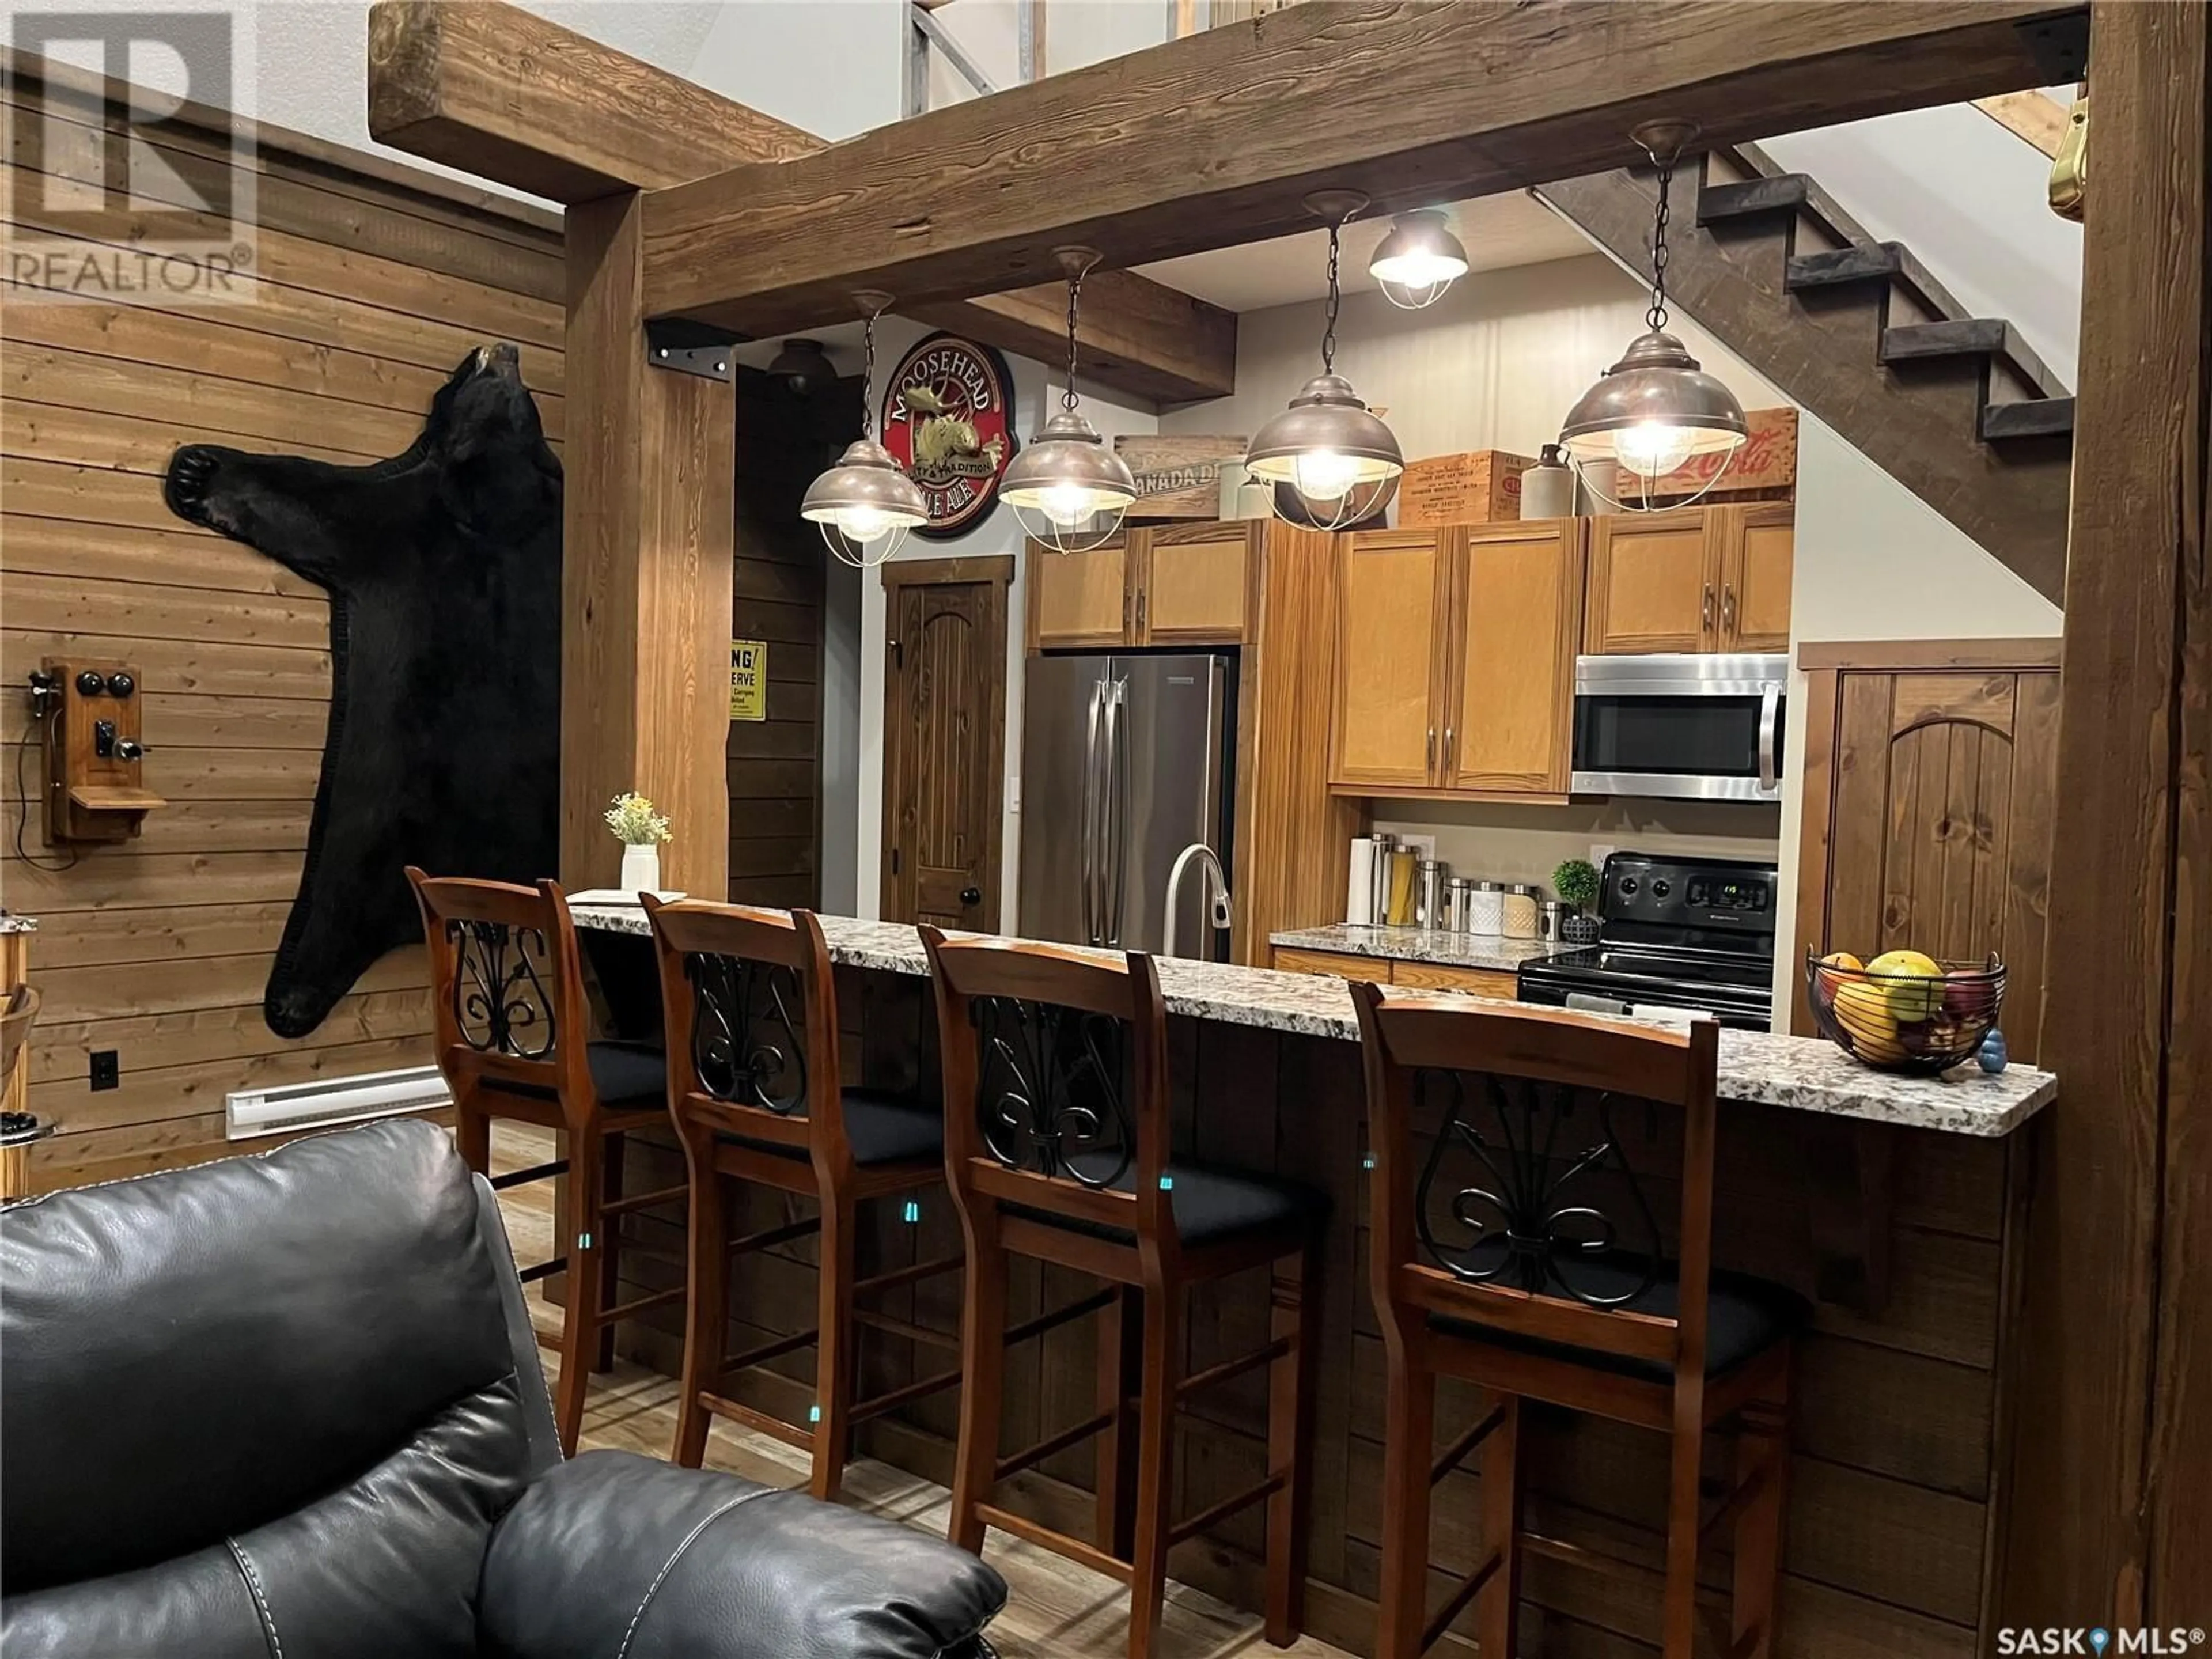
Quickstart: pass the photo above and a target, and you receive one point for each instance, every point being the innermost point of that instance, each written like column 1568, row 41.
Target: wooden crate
column 1177, row 478
column 1765, row 469
column 1479, row 486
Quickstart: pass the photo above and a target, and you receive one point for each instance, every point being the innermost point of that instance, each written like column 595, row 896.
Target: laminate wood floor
column 1057, row 1609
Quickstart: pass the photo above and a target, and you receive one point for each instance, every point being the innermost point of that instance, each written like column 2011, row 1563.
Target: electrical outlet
column 1600, row 852
column 107, row 1070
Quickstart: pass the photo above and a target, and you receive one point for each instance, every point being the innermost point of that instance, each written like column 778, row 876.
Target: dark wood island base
column 1900, row 1401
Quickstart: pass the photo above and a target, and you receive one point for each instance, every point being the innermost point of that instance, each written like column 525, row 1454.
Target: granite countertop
column 18, row 924
column 1806, row 1074
column 1486, row 951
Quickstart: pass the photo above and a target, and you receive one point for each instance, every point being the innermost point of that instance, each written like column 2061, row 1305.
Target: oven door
column 1696, row 728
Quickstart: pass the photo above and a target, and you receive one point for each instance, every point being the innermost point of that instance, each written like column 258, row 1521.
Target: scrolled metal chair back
column 1514, row 1191
column 1052, row 1089
column 748, row 1031
column 504, row 971
column 502, row 998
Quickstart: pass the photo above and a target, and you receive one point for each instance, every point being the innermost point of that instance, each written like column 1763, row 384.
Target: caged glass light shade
column 865, row 505
column 1068, row 489
column 1419, row 260
column 1653, row 410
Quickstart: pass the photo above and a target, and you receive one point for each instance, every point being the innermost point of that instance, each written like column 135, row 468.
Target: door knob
column 971, row 896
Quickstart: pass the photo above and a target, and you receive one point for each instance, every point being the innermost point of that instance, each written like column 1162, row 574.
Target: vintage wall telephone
column 89, row 727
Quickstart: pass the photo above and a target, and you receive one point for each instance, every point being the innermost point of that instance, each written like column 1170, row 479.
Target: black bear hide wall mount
column 443, row 566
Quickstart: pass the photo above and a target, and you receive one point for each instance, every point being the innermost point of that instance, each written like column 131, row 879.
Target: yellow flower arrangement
column 634, row 822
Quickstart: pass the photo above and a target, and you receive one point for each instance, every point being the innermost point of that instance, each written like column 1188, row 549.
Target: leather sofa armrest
column 615, row 1556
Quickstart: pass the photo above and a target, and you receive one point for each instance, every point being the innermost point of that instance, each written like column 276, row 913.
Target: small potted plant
column 1575, row 882
column 640, row 830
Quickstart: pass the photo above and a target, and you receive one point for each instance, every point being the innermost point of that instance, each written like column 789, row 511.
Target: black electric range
column 1687, row 935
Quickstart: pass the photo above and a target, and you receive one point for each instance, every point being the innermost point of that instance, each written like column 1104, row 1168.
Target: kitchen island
column 1892, row 1201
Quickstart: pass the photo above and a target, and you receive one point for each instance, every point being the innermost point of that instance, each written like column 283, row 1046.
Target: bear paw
column 190, row 486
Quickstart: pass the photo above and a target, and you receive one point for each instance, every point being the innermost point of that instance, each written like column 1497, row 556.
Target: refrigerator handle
column 1116, row 849
column 1089, row 830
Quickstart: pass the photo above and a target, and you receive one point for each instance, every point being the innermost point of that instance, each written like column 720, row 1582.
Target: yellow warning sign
column 748, row 679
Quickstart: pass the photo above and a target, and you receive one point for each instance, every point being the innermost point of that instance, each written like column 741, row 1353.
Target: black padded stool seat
column 627, row 1074
column 1745, row 1316
column 1210, row 1206
column 883, row 1128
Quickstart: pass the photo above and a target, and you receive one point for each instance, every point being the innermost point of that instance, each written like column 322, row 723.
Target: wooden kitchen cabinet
column 1930, row 777
column 1398, row 970
column 1695, row 579
column 1153, row 585
column 1455, row 656
column 1515, row 621
column 1341, row 965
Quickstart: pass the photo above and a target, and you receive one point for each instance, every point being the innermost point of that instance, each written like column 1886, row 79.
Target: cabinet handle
column 1705, row 607
column 1448, row 748
column 1431, row 762
column 1144, row 597
column 1129, row 606
column 1728, row 608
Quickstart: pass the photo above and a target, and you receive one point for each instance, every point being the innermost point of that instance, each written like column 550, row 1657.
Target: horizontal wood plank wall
column 1891, row 1486
column 371, row 284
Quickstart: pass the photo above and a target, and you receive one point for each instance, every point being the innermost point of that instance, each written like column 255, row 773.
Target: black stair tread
column 1873, row 262
column 1783, row 192
column 2031, row 417
column 1971, row 336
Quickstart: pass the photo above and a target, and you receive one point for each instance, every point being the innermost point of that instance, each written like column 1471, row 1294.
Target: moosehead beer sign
column 948, row 419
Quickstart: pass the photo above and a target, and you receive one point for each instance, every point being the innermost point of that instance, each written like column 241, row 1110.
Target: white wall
column 999, row 534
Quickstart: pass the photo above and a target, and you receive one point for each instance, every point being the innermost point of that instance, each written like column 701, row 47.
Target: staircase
column 1957, row 409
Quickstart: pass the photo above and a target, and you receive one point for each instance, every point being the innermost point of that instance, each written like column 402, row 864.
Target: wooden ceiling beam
column 1215, row 140
column 499, row 92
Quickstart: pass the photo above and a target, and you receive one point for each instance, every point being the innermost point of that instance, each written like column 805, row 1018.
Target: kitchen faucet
column 1218, row 910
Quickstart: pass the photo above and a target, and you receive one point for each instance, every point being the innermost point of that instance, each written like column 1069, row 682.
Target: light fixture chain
column 1335, row 297
column 868, row 380
column 1656, row 317
column 1074, row 300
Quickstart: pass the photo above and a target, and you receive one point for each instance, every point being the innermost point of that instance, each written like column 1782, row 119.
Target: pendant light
column 1419, row 260
column 1655, row 408
column 865, row 504
column 803, row 366
column 1333, row 450
column 1069, row 490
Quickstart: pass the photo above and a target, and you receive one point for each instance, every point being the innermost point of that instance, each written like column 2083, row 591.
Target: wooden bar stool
column 749, row 1005
column 1517, row 1252
column 508, row 984
column 1056, row 1148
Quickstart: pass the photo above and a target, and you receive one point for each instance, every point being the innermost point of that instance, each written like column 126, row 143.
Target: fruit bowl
column 1922, row 1018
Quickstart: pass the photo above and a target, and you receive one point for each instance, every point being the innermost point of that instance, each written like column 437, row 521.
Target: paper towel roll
column 1359, row 883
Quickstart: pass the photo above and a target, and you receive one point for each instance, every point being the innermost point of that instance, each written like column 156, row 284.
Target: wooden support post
column 645, row 581
column 2109, row 1506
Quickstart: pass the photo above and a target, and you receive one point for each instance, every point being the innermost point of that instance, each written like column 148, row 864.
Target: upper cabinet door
column 1078, row 598
column 1191, row 589
column 1390, row 587
column 1518, row 610
column 1760, row 545
column 1654, row 583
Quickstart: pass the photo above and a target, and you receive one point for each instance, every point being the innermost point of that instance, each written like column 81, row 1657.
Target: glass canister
column 1431, row 875
column 1405, row 886
column 1486, row 908
column 1459, row 903
column 1520, row 911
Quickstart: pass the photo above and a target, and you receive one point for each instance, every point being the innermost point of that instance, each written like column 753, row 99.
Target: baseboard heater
column 249, row 1113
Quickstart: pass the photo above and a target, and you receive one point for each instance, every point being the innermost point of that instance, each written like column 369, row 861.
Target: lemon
column 1911, row 984
column 1863, row 1011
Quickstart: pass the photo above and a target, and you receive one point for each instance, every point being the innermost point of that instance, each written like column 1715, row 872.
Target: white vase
column 641, row 871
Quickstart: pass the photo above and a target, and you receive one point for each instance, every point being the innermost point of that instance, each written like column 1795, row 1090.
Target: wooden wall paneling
column 373, row 282
column 2109, row 1506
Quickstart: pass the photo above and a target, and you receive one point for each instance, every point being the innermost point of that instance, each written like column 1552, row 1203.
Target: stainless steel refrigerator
column 1126, row 762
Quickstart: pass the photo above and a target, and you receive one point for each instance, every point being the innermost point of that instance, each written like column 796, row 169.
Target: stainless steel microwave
column 1693, row 726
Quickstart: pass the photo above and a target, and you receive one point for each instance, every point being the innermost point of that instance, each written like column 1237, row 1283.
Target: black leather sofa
column 289, row 1407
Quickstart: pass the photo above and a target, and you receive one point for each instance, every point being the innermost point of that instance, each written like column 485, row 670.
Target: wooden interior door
column 1392, row 587
column 1518, row 611
column 1191, row 584
column 1759, row 553
column 1929, row 800
column 945, row 735
column 1078, row 600
column 1654, row 579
